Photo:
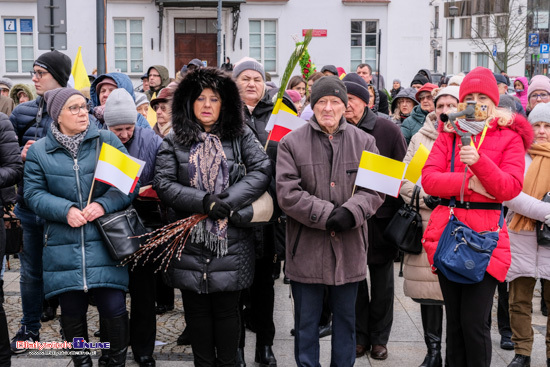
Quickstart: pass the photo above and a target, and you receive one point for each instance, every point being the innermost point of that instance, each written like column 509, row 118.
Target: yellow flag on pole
column 380, row 173
column 79, row 73
column 118, row 169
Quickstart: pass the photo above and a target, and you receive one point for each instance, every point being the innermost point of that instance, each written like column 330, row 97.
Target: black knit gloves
column 215, row 207
column 340, row 220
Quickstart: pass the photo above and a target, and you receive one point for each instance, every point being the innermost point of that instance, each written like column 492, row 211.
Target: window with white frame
column 263, row 43
column 18, row 44
column 129, row 45
column 363, row 43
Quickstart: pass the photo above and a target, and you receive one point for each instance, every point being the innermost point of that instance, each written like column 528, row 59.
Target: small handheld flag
column 414, row 169
column 282, row 121
column 118, row 169
column 380, row 173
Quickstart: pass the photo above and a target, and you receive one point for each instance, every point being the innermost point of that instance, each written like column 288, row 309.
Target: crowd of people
column 203, row 137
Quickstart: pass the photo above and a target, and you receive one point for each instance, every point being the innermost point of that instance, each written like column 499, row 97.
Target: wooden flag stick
column 268, row 137
column 91, row 191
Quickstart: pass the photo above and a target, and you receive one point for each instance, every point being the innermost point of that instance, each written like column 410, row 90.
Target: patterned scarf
column 208, row 171
column 535, row 184
column 72, row 143
column 474, row 127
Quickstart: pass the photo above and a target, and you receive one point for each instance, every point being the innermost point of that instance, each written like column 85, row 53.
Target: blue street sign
column 533, row 40
column 543, row 61
column 544, row 48
column 494, row 50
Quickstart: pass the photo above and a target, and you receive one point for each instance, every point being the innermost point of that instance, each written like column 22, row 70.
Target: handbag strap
column 452, row 202
column 415, row 196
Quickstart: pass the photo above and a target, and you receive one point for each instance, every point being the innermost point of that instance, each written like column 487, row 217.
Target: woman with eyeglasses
column 59, row 172
column 538, row 92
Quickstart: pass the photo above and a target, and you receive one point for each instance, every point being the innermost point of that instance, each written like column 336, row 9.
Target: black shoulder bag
column 405, row 228
column 543, row 232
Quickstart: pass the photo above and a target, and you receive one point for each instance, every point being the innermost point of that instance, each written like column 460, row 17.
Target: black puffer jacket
column 199, row 269
column 11, row 166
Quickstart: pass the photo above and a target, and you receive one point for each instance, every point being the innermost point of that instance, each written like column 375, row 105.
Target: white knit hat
column 541, row 113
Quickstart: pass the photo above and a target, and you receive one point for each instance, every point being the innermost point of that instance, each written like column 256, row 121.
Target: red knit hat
column 480, row 80
column 428, row 87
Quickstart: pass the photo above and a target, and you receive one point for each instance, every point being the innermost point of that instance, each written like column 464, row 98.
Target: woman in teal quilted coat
column 59, row 172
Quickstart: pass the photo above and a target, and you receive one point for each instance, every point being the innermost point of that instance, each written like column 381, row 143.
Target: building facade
column 391, row 35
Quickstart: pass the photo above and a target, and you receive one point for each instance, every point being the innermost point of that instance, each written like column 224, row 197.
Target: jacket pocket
column 297, row 240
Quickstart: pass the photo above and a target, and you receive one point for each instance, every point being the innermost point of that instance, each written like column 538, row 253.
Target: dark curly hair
column 185, row 125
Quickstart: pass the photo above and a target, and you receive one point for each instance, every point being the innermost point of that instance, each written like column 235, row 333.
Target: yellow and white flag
column 414, row 169
column 380, row 173
column 78, row 72
column 118, row 169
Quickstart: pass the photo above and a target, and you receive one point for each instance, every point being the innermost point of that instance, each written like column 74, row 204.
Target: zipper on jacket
column 46, row 236
column 295, row 247
column 76, row 169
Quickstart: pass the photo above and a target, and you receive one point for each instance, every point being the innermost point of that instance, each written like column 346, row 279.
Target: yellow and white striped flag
column 380, row 173
column 118, row 169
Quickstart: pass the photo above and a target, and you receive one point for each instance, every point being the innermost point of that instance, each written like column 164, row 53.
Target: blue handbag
column 462, row 254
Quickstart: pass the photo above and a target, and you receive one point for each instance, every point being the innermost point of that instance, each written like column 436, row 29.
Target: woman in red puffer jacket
column 495, row 168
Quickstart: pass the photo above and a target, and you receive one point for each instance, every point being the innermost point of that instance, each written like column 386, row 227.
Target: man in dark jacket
column 31, row 122
column 11, row 171
column 365, row 72
column 374, row 317
column 250, row 78
column 143, row 144
column 158, row 79
column 327, row 221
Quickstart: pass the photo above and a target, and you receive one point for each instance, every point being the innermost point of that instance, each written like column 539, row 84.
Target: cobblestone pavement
column 406, row 346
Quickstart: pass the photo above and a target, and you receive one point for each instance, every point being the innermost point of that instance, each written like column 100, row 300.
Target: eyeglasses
column 38, row 74
column 543, row 96
column 155, row 75
column 161, row 106
column 76, row 109
column 426, row 97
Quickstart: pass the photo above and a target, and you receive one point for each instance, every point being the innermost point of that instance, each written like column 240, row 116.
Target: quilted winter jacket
column 122, row 81
column 413, row 123
column 500, row 169
column 199, row 269
column 420, row 283
column 11, row 166
column 528, row 258
column 523, row 95
column 308, row 189
column 144, row 145
column 73, row 258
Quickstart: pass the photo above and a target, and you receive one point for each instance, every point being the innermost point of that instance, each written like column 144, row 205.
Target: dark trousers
column 503, row 311
column 261, row 298
column 213, row 323
column 374, row 316
column 164, row 294
column 468, row 307
column 143, row 320
column 5, row 352
column 308, row 305
column 110, row 302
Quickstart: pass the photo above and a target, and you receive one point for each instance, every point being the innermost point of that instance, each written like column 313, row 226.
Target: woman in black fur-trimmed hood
column 198, row 171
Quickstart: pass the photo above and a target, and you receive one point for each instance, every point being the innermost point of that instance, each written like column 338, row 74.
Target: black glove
column 431, row 201
column 215, row 207
column 340, row 220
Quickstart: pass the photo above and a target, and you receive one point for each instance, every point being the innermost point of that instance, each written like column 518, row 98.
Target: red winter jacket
column 500, row 169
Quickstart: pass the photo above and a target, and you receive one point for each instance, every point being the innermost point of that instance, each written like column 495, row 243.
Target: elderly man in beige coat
column 326, row 227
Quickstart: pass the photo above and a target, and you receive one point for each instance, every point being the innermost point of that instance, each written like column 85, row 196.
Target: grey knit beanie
column 141, row 98
column 248, row 63
column 541, row 113
column 6, row 83
column 329, row 86
column 56, row 99
column 120, row 108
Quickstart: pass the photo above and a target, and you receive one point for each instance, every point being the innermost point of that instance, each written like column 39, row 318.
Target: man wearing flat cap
column 327, row 221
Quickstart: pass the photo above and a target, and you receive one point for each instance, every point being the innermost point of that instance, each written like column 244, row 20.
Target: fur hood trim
column 230, row 123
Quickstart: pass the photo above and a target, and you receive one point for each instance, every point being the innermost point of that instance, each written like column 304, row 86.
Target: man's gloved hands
column 215, row 207
column 431, row 201
column 340, row 220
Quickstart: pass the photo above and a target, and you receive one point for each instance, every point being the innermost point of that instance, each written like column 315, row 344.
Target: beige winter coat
column 420, row 283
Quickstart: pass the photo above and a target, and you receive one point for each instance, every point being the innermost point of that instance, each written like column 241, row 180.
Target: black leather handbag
column 405, row 228
column 543, row 232
column 118, row 230
column 14, row 233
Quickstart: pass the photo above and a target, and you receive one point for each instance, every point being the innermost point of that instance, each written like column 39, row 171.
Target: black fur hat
column 184, row 123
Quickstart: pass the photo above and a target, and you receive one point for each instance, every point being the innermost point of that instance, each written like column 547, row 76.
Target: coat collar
column 315, row 125
column 368, row 122
column 52, row 144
